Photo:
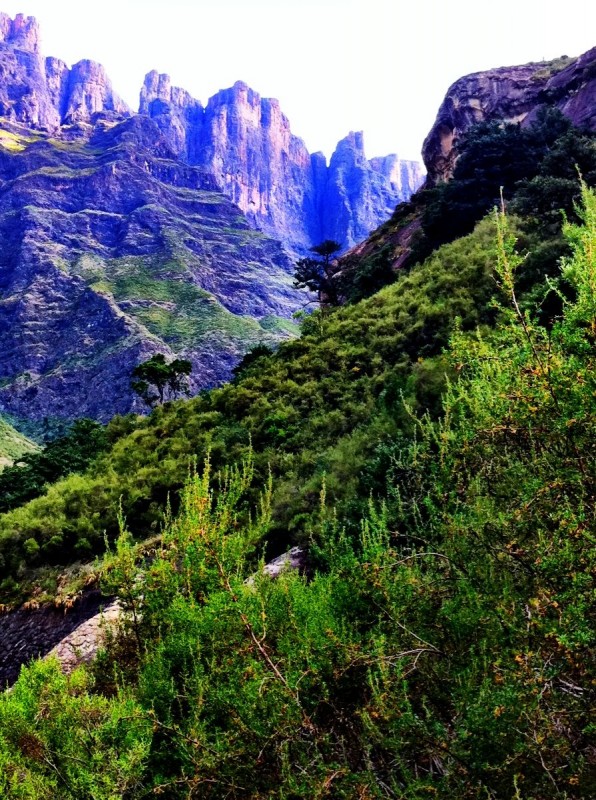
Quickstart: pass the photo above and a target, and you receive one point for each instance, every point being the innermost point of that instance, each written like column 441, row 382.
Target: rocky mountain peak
column 157, row 89
column 246, row 141
column 352, row 144
column 45, row 93
column 510, row 94
column 89, row 91
column 21, row 32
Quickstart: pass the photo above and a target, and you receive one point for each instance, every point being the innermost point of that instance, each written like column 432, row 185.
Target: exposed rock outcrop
column 510, row 94
column 114, row 250
column 247, row 143
column 89, row 92
column 30, row 632
column 21, row 32
column 177, row 114
column 73, row 634
column 360, row 194
column 44, row 93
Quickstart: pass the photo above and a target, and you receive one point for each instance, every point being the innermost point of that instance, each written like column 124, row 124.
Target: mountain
column 246, row 142
column 125, row 234
column 430, row 448
column 113, row 250
column 510, row 94
column 43, row 92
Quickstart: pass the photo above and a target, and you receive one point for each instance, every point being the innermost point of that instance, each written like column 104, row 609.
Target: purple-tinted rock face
column 21, row 32
column 114, row 250
column 360, row 194
column 120, row 238
column 246, row 142
column 510, row 94
column 44, row 93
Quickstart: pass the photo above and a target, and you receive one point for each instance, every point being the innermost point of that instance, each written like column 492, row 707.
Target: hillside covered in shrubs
column 431, row 447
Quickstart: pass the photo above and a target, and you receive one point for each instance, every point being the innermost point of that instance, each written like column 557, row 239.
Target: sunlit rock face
column 510, row 94
column 43, row 92
column 247, row 143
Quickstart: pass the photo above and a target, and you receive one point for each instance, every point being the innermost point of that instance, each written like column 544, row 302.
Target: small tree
column 319, row 274
column 157, row 381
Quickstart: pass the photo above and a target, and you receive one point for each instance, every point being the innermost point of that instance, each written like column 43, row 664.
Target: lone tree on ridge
column 319, row 274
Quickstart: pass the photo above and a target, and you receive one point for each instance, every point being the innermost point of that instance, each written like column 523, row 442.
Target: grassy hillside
column 328, row 403
column 13, row 444
column 432, row 447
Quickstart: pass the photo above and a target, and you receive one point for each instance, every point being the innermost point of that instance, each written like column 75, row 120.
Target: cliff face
column 244, row 140
column 510, row 94
column 114, row 250
column 45, row 93
column 247, row 143
column 124, row 235
column 359, row 195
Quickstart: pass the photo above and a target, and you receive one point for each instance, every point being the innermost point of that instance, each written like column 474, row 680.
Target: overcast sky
column 381, row 66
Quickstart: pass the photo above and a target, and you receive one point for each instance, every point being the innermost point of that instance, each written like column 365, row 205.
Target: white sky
column 382, row 66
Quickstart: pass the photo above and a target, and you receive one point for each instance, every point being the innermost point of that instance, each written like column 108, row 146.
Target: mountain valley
column 423, row 438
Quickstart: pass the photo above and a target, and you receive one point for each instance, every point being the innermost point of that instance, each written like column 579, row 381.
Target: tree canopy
column 319, row 274
column 157, row 380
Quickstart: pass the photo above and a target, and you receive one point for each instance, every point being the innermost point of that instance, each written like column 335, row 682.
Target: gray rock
column 510, row 94
column 247, row 143
column 114, row 250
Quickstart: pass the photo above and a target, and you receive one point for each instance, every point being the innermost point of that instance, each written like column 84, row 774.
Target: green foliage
column 335, row 392
column 71, row 453
column 318, row 275
column 536, row 167
column 169, row 380
column 449, row 653
column 60, row 740
column 13, row 444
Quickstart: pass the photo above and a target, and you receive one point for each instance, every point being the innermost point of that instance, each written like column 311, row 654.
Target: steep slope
column 43, row 92
column 246, row 142
column 511, row 94
column 114, row 250
column 13, row 444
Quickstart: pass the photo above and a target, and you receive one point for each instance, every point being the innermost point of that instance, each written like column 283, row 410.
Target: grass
column 552, row 68
column 158, row 292
column 13, row 444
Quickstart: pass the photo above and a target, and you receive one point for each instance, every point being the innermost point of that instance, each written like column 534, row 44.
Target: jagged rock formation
column 241, row 138
column 359, row 194
column 113, row 250
column 246, row 142
column 511, row 94
column 120, row 234
column 42, row 92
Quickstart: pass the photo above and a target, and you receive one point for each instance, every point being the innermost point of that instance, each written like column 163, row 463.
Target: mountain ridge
column 510, row 94
column 246, row 141
column 243, row 139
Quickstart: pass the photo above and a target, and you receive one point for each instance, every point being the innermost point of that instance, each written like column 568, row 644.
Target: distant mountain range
column 172, row 230
column 242, row 139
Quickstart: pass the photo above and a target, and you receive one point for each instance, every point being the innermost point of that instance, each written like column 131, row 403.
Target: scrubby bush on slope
column 322, row 403
column 448, row 655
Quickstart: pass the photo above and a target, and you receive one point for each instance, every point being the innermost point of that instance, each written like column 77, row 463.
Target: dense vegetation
column 448, row 653
column 329, row 402
column 13, row 445
column 432, row 445
column 72, row 452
